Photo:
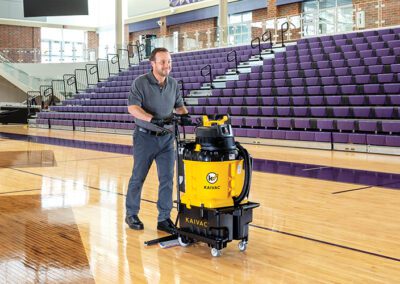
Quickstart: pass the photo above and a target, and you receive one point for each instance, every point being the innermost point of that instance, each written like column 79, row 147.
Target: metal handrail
column 209, row 73
column 284, row 31
column 231, row 59
column 264, row 38
column 70, row 81
column 114, row 60
column 182, row 88
column 258, row 44
column 108, row 68
column 94, row 69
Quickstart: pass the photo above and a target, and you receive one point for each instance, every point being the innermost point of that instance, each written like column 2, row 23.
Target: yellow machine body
column 212, row 184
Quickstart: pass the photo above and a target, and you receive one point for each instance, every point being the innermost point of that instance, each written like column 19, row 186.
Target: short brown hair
column 155, row 51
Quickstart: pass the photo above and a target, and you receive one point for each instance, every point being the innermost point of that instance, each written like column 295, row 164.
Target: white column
column 119, row 25
column 223, row 22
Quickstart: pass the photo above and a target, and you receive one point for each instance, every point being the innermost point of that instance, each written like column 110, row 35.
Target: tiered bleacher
column 337, row 89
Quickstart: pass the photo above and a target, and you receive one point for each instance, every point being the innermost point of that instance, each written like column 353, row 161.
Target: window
column 62, row 45
column 327, row 17
column 239, row 28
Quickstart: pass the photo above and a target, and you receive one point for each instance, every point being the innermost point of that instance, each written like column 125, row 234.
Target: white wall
column 140, row 7
column 14, row 9
column 49, row 70
column 10, row 93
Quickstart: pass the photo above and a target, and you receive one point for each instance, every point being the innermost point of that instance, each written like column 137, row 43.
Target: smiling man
column 152, row 99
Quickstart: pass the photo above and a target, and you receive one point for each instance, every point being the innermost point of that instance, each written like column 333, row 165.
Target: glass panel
column 309, row 21
column 326, row 21
column 310, row 6
column 345, row 19
column 247, row 17
column 344, row 2
column 323, row 4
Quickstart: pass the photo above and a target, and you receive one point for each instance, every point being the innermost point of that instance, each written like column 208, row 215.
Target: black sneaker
column 134, row 222
column 166, row 226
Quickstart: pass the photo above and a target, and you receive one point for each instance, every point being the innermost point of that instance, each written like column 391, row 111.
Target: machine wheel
column 183, row 242
column 215, row 252
column 242, row 245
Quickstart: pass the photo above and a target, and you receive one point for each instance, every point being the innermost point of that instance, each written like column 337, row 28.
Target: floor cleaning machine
column 214, row 178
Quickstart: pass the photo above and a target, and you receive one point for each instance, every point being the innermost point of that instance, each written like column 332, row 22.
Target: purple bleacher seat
column 302, row 123
column 251, row 121
column 391, row 126
column 386, row 78
column 235, row 110
column 387, row 60
column 392, row 88
column 307, row 136
column 298, row 91
column 268, row 122
column 251, row 101
column 341, row 111
column 283, row 122
column 252, row 110
column 361, row 112
column 299, row 101
column 292, row 135
column 362, row 79
column 330, row 90
column 384, row 112
column 378, row 140
column 283, row 111
column 358, row 70
column 345, row 125
column 328, row 80
column 316, row 100
column 311, row 73
column 348, row 89
column 338, row 63
column 278, row 134
column 240, row 132
column 340, row 137
column 392, row 141
column 376, row 99
column 318, row 111
column 393, row 43
column 282, row 101
column 323, row 137
column 394, row 99
column 333, row 100
column 300, row 111
column 357, row 138
column 325, row 124
column 265, row 134
column 279, row 75
column 314, row 90
column 326, row 72
column 367, row 126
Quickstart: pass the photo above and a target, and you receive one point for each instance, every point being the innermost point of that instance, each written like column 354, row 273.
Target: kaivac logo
column 196, row 222
column 212, row 178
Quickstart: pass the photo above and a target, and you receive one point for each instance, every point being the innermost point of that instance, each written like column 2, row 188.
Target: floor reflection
column 44, row 245
column 44, row 158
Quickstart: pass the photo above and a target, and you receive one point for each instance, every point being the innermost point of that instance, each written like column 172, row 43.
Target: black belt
column 154, row 133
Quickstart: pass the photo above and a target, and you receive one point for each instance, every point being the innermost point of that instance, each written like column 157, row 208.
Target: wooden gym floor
column 325, row 217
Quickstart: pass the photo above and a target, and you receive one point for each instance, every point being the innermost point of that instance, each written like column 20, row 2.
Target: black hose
column 248, row 167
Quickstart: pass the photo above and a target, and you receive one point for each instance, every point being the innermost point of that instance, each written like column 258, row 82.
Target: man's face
column 162, row 64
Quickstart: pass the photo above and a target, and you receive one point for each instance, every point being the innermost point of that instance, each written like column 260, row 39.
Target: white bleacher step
column 200, row 93
column 224, row 78
column 217, row 85
column 251, row 63
column 191, row 100
column 242, row 70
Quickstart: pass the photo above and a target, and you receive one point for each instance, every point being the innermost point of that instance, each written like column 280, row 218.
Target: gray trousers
column 147, row 148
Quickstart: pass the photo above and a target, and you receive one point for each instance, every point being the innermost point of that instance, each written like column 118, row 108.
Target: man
column 151, row 101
